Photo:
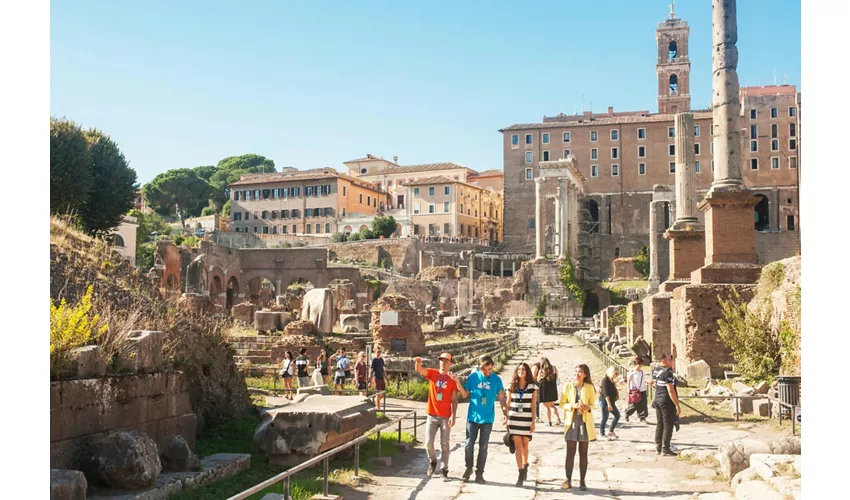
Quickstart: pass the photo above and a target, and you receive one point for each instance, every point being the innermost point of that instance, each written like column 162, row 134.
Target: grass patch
column 691, row 476
column 621, row 286
column 458, row 338
column 418, row 389
column 236, row 437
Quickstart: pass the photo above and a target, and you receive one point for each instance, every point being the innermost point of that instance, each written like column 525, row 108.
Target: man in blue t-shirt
column 482, row 387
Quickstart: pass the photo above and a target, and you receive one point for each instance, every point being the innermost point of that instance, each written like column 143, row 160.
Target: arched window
column 117, row 240
column 672, row 51
column 674, row 84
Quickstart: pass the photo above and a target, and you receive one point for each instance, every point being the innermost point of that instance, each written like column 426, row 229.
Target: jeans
column 433, row 425
column 665, row 416
column 616, row 412
column 472, row 430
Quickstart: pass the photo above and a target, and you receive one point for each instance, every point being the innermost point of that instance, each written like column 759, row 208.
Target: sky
column 314, row 84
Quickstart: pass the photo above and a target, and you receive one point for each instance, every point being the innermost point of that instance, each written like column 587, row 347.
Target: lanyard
column 521, row 393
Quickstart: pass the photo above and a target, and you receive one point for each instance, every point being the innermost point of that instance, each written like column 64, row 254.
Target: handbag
column 634, row 396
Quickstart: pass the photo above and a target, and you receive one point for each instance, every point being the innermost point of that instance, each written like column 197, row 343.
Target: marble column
column 654, row 279
column 726, row 104
column 539, row 216
column 558, row 232
column 564, row 217
column 575, row 227
column 686, row 189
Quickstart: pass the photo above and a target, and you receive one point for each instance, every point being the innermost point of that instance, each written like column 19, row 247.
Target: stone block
column 657, row 324
column 177, row 456
column 321, row 390
column 267, row 321
column 698, row 371
column 317, row 307
column 734, row 456
column 67, row 485
column 126, row 460
column 635, row 318
column 745, row 405
column 761, row 408
column 88, row 361
column 761, row 388
column 621, row 332
column 358, row 321
column 141, row 352
column 243, row 312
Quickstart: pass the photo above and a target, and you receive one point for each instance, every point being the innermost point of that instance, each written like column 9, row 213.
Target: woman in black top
column 322, row 363
column 608, row 402
column 547, row 381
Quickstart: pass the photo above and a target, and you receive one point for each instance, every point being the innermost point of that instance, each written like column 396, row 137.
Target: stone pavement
column 627, row 468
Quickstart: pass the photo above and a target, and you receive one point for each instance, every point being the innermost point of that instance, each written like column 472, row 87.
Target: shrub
column 619, row 318
column 755, row 345
column 355, row 237
column 191, row 241
column 178, row 239
column 568, row 279
column 641, row 262
column 382, row 226
column 540, row 312
column 337, row 237
column 71, row 327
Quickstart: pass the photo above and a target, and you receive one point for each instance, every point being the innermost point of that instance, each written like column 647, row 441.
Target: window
column 343, row 211
column 446, row 229
column 265, row 230
column 416, row 208
column 641, row 133
column 752, row 114
column 284, row 214
column 641, row 151
column 671, row 149
column 529, row 174
column 774, row 163
column 247, row 215
column 792, row 162
column 615, row 153
column 461, row 230
column 712, row 147
column 773, row 113
column 328, row 212
column 515, row 140
column 774, row 130
column 415, row 192
column 368, row 200
column 567, row 137
column 446, row 207
column 308, row 190
column 294, row 228
column 594, row 171
column 696, row 149
column 546, row 156
column 594, row 154
column 327, row 227
column 711, row 130
column 789, row 221
column 754, row 146
column 528, row 138
column 712, row 164
column 431, row 190
column 528, row 156
column 792, row 129
column 431, row 208
column 774, row 144
column 461, row 208
column 615, row 134
column 671, row 131
column 308, row 212
column 792, row 111
column 237, row 216
column 447, row 190
column 792, row 144
column 696, row 130
column 274, row 214
column 545, row 138
column 593, row 136
column 672, row 167
column 566, row 154
column 531, row 223
column 754, row 163
column 641, row 168
column 754, row 131
column 308, row 228
column 615, row 170
column 431, row 229
column 696, row 166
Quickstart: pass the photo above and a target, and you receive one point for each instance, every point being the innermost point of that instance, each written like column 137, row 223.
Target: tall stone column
column 557, row 245
column 686, row 189
column 539, row 205
column 730, row 255
column 575, row 227
column 563, row 226
column 654, row 280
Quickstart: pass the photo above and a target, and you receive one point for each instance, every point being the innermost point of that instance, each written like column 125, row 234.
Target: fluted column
column 557, row 243
column 539, row 204
column 575, row 227
column 654, row 280
column 726, row 104
column 686, row 189
column 564, row 205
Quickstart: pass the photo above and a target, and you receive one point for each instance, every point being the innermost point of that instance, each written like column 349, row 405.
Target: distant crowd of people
column 454, row 239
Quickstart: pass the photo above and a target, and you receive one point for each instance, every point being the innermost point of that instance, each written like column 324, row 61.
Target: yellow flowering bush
column 72, row 326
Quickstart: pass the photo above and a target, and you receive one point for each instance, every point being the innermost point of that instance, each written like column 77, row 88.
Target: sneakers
column 432, row 466
column 466, row 474
column 627, row 417
column 669, row 453
column 612, row 435
column 582, row 486
column 658, row 450
column 479, row 478
column 444, row 473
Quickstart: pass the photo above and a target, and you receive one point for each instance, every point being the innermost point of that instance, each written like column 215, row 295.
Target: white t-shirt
column 637, row 380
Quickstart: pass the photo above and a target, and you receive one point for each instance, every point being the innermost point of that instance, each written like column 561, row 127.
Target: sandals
column 566, row 485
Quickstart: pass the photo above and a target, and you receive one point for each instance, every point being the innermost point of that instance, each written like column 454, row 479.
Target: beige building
column 312, row 202
column 444, row 207
column 124, row 238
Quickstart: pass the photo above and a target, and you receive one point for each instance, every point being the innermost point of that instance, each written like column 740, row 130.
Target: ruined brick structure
column 395, row 327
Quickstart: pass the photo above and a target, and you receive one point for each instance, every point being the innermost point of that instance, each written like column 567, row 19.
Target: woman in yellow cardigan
column 577, row 402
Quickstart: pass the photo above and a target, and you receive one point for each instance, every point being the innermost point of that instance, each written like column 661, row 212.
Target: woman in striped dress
column 522, row 414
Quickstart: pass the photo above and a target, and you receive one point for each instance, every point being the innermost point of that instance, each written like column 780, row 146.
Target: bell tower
column 673, row 66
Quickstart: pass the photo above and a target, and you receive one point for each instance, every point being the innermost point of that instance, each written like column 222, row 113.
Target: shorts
column 361, row 386
column 339, row 380
column 287, row 375
column 380, row 384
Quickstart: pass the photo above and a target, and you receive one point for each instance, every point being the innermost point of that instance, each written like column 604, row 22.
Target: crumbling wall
column 421, row 293
column 623, row 269
column 437, row 273
column 402, row 254
column 403, row 325
column 656, row 324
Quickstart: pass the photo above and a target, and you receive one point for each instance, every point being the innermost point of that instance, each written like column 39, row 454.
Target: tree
column 147, row 225
column 641, row 262
column 145, row 256
column 113, row 184
column 225, row 210
column 70, row 173
column 179, row 192
column 230, row 169
column 205, row 171
column 382, row 226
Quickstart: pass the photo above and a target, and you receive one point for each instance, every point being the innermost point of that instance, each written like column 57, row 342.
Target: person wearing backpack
column 637, row 392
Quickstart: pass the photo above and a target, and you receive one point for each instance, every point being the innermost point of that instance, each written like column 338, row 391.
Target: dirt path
column 627, row 468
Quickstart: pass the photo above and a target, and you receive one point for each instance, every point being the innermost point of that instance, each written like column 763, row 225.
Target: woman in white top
column 287, row 371
column 522, row 394
column 637, row 384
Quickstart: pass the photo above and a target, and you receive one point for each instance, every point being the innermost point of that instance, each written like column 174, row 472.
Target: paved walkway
column 627, row 468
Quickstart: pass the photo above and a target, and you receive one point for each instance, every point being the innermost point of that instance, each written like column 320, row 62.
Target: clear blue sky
column 312, row 84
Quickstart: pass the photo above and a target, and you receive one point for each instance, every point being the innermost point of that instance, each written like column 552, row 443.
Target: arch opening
column 674, row 84
column 762, row 213
column 231, row 292
column 672, row 51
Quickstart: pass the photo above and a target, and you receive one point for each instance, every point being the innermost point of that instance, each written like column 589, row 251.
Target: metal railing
column 325, row 457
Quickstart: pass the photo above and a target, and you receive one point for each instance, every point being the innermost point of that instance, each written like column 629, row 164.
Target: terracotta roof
column 309, row 175
column 423, row 168
column 768, row 90
column 439, row 179
column 658, row 117
column 491, row 173
column 368, row 158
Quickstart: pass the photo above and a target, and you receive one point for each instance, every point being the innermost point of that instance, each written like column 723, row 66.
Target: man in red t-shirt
column 442, row 409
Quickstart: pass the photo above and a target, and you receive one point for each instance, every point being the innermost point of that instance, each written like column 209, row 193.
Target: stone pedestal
column 656, row 324
column 635, row 321
column 687, row 252
column 730, row 241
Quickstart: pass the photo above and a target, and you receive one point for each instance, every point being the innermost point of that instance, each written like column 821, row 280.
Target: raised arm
column 422, row 371
column 460, row 385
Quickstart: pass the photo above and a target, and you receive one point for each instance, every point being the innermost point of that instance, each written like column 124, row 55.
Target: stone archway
column 761, row 213
column 215, row 287
column 232, row 292
column 591, row 304
column 363, row 226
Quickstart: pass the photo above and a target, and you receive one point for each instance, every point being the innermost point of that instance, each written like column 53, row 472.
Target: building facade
column 625, row 155
column 444, row 207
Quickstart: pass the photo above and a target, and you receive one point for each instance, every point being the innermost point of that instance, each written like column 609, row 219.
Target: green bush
column 641, row 262
column 178, row 239
column 568, row 279
column 755, row 345
column 145, row 256
column 355, row 237
column 337, row 237
column 542, row 305
column 619, row 318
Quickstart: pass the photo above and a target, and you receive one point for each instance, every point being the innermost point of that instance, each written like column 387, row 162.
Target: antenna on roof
column 774, row 76
column 785, row 79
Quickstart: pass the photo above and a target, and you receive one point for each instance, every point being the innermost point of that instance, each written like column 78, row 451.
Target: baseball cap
column 446, row 356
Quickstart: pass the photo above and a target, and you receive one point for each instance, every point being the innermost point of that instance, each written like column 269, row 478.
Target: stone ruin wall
column 157, row 404
column 403, row 253
column 623, row 269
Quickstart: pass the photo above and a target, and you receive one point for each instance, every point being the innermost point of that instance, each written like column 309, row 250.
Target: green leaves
column 70, row 175
column 641, row 262
column 179, row 192
column 568, row 279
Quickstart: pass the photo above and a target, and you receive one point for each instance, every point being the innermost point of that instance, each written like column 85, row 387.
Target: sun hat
column 446, row 356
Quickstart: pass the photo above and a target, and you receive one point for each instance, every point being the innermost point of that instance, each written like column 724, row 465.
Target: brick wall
column 694, row 313
column 656, row 323
column 403, row 253
column 624, row 269
column 635, row 321
column 771, row 246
